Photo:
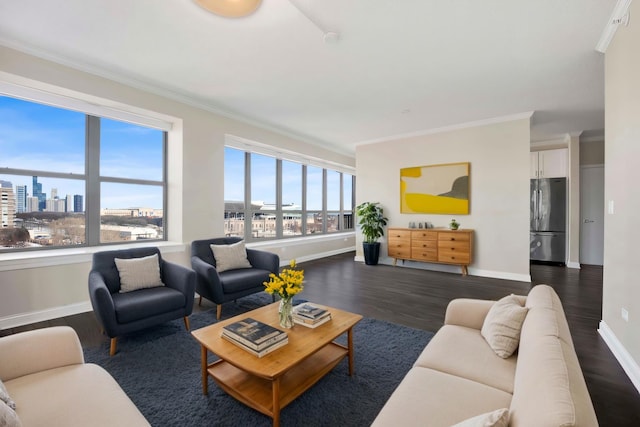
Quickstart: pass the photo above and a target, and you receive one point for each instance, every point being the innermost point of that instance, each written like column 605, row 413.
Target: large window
column 70, row 178
column 267, row 197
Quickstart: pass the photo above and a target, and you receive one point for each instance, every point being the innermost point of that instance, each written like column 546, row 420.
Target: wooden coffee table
column 270, row 383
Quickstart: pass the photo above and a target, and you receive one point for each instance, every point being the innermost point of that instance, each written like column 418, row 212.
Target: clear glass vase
column 285, row 312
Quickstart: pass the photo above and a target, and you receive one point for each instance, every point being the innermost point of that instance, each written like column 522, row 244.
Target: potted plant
column 371, row 221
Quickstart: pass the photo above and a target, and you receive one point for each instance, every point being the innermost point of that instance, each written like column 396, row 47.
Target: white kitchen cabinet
column 549, row 163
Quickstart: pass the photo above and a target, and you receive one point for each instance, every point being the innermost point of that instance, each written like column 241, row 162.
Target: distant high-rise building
column 33, row 204
column 37, row 192
column 21, row 198
column 78, row 203
column 5, row 184
column 60, row 205
column 69, row 205
column 54, row 193
column 7, row 206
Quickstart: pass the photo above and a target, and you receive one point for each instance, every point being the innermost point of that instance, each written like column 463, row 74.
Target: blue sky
column 39, row 137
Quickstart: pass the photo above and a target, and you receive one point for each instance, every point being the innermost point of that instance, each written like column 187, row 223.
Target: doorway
column 592, row 215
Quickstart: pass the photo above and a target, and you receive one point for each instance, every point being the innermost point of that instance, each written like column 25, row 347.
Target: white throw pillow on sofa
column 497, row 418
column 139, row 273
column 8, row 417
column 501, row 327
column 230, row 257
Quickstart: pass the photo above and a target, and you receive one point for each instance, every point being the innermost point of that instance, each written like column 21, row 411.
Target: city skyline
column 37, row 137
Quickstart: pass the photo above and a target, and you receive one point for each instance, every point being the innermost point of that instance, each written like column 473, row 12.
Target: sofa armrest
column 467, row 312
column 264, row 260
column 39, row 350
column 180, row 278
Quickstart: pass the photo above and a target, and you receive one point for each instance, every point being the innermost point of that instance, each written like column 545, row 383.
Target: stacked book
column 255, row 337
column 310, row 315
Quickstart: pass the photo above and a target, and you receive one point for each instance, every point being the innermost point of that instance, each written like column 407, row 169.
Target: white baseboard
column 625, row 359
column 573, row 264
column 42, row 315
column 318, row 255
column 453, row 269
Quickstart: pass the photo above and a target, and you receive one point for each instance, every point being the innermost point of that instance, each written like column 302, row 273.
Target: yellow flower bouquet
column 286, row 284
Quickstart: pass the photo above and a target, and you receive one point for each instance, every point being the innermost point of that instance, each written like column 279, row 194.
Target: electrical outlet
column 625, row 314
column 610, row 207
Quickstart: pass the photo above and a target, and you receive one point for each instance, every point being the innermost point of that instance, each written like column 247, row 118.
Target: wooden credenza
column 438, row 245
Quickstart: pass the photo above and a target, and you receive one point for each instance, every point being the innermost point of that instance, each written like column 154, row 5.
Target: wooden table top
column 303, row 341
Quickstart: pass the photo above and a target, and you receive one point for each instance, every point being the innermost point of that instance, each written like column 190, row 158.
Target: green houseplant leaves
column 371, row 220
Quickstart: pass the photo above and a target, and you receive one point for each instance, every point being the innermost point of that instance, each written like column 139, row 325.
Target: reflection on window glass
column 130, row 212
column 347, row 191
column 314, row 188
column 41, row 138
column 333, row 190
column 130, row 151
column 41, row 212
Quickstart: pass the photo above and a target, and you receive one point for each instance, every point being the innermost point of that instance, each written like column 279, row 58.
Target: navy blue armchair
column 121, row 313
column 229, row 285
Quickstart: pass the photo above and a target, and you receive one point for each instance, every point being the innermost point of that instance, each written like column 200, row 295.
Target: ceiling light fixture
column 620, row 15
column 230, row 8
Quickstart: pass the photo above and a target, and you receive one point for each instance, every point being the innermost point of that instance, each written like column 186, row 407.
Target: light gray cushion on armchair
column 229, row 285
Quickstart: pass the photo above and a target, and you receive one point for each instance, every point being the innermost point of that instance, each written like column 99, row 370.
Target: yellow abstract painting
column 435, row 189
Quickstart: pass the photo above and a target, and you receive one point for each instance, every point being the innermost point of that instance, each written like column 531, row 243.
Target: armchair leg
column 112, row 350
column 200, row 300
column 218, row 311
column 186, row 322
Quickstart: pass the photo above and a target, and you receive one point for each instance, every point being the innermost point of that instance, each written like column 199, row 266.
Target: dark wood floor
column 418, row 298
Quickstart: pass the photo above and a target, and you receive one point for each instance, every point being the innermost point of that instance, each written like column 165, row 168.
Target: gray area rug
column 159, row 369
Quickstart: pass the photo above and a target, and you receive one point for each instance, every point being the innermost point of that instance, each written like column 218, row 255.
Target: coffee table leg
column 275, row 388
column 205, row 380
column 350, row 345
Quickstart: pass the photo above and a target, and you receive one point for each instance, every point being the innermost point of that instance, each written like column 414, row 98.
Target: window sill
column 300, row 240
column 47, row 258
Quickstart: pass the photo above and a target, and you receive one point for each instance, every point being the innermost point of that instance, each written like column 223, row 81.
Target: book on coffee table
column 310, row 311
column 311, row 323
column 253, row 334
column 259, row 353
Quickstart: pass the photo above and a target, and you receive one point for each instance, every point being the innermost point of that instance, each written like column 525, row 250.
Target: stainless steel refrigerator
column 548, row 219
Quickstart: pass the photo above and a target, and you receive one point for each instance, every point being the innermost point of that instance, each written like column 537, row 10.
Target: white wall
column 621, row 289
column 499, row 198
column 49, row 285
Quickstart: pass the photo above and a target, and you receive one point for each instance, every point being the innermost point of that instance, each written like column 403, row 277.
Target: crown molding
column 169, row 94
column 477, row 123
column 620, row 15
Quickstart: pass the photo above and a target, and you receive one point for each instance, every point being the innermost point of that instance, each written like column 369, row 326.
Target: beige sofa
column 458, row 376
column 45, row 374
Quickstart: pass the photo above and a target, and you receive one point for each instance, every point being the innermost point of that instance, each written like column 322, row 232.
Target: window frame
column 91, row 176
column 279, row 212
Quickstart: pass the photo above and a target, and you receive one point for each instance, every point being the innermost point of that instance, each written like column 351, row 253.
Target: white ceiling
column 399, row 67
